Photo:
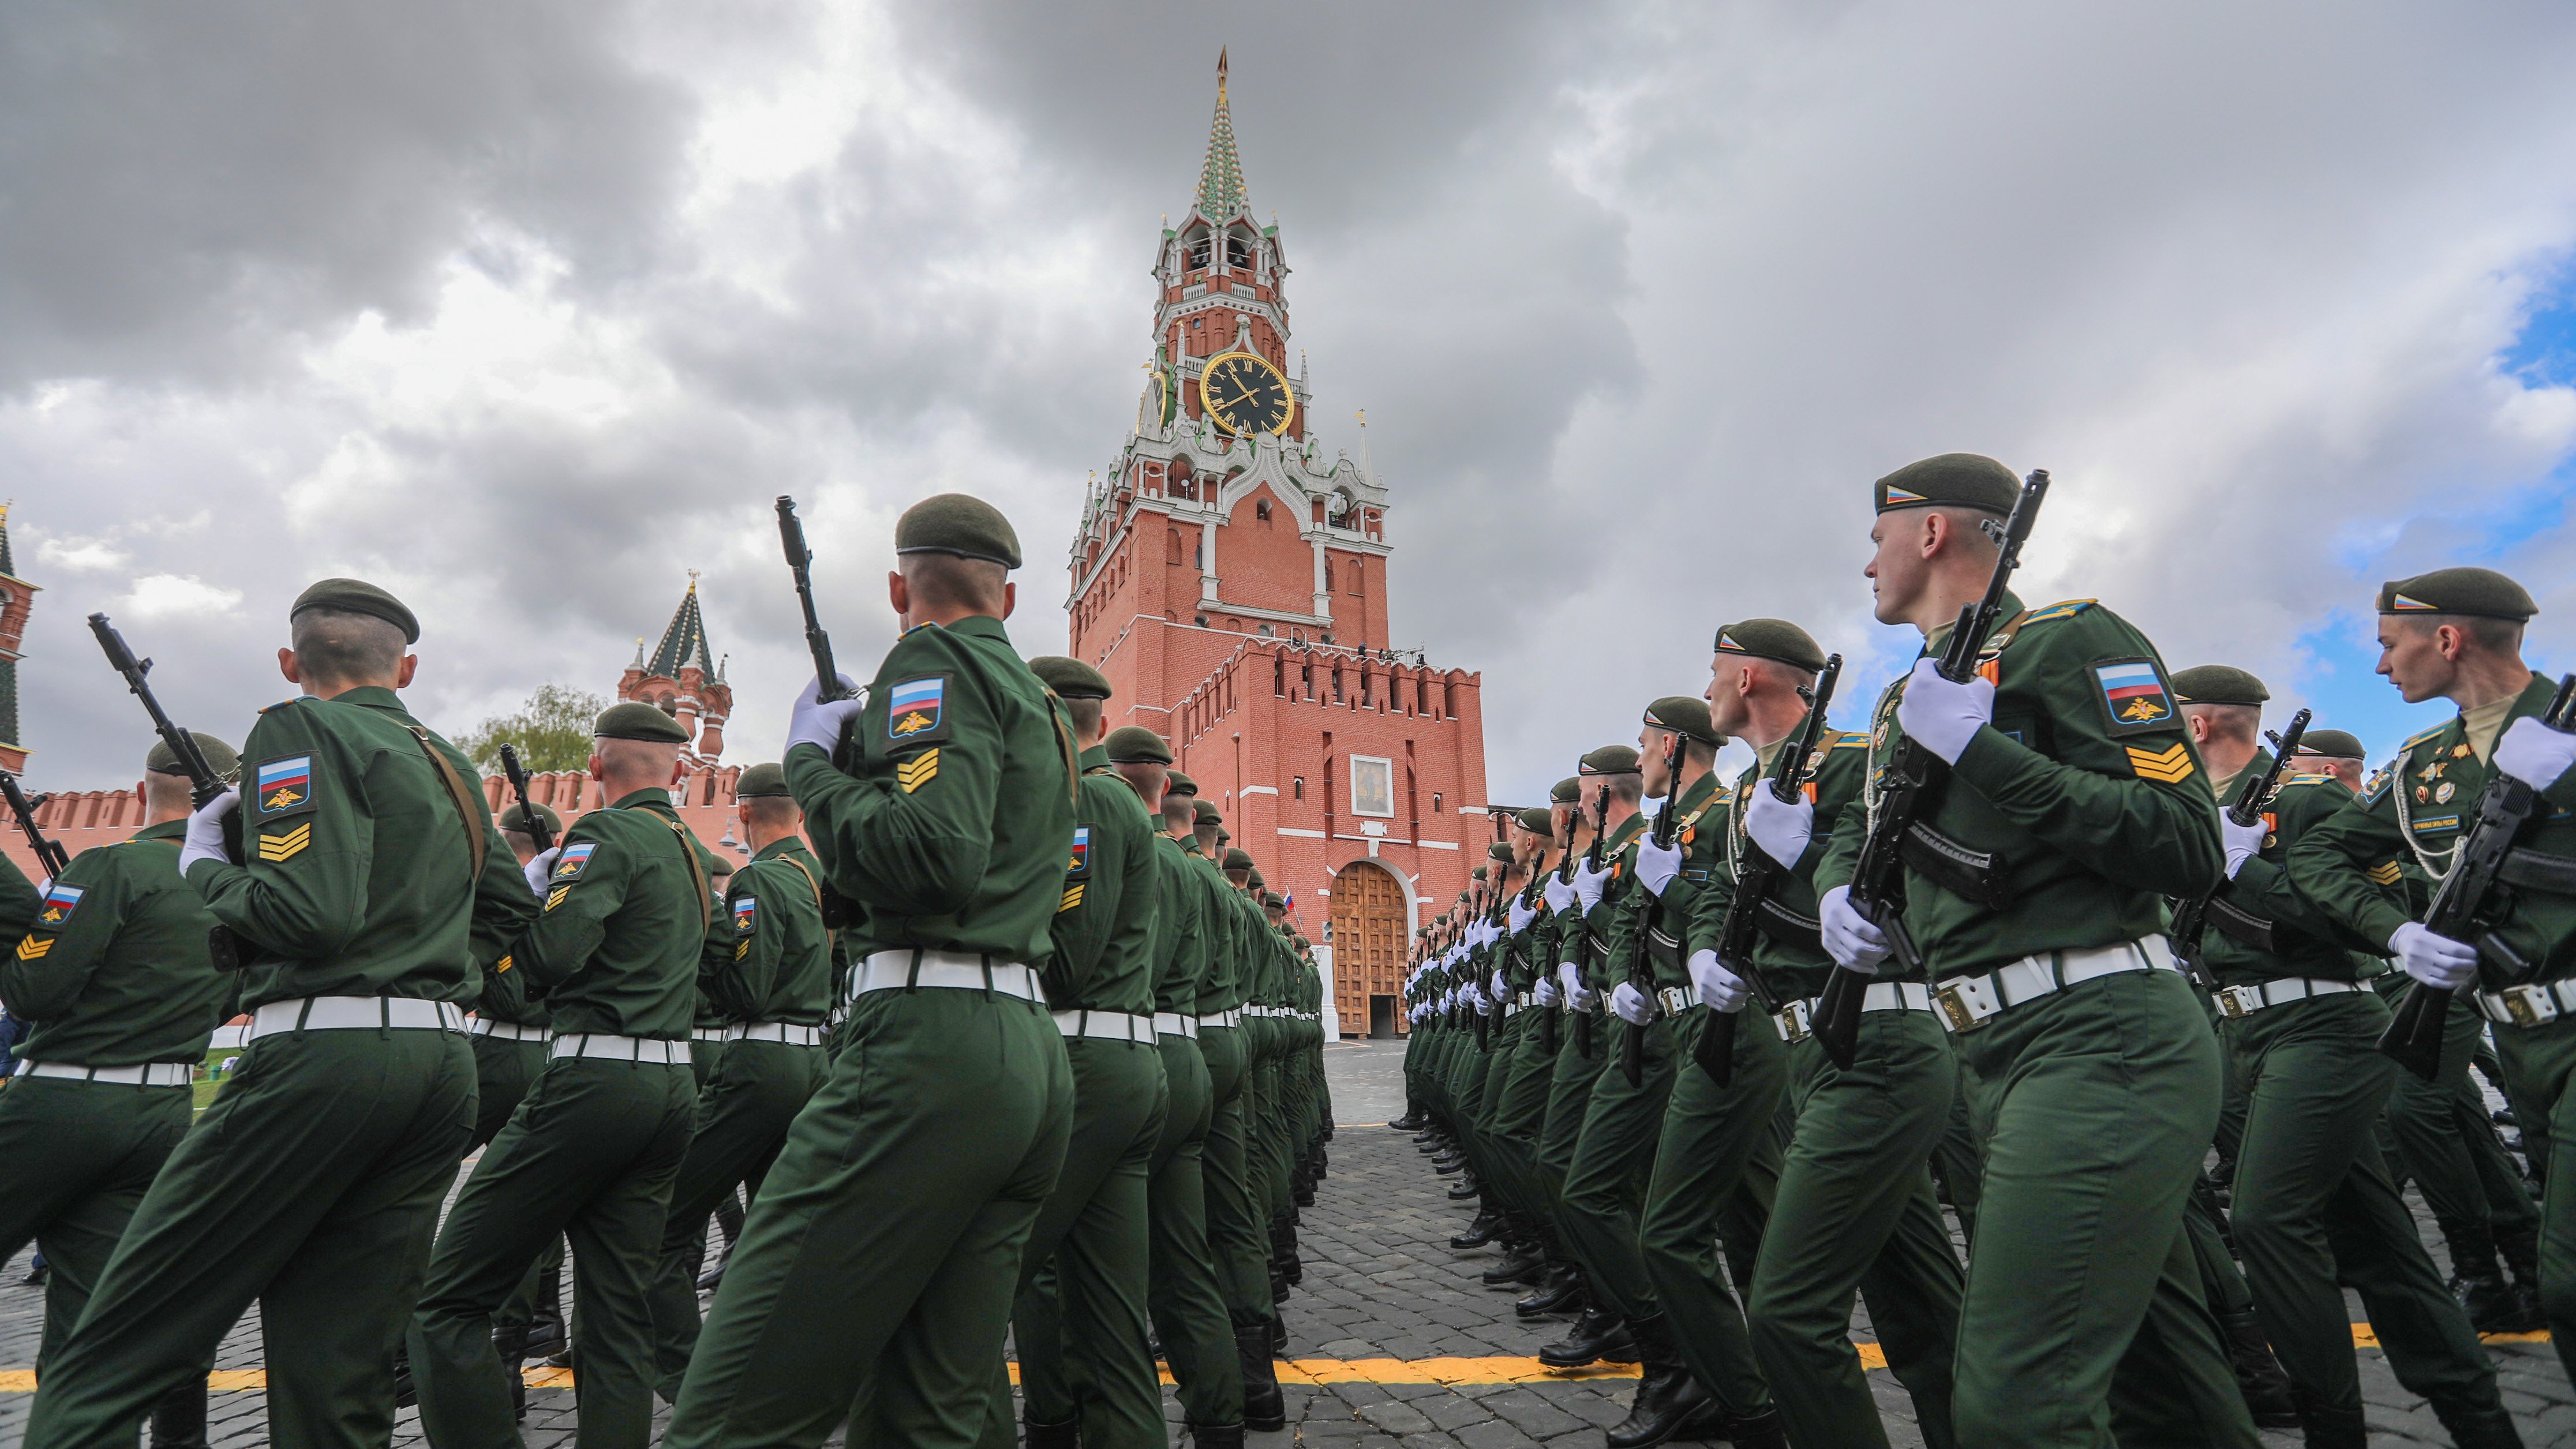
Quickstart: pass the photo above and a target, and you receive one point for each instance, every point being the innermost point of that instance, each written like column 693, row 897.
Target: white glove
column 205, row 839
column 1588, row 885
column 1850, row 938
column 1502, row 988
column 1657, row 864
column 1578, row 995
column 1781, row 827
column 813, row 721
column 1559, row 894
column 1719, row 988
column 1633, row 1006
column 1546, row 989
column 1522, row 915
column 1475, row 999
column 540, row 869
column 1944, row 716
column 2437, row 961
column 2243, row 842
column 2534, row 753
column 1487, row 933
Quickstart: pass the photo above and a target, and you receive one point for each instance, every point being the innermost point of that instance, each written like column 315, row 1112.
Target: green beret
column 1568, row 791
column 163, row 760
column 2333, row 744
column 2480, row 593
column 1137, row 745
column 1610, row 760
column 1477, row 874
column 1176, row 783
column 1538, row 820
column 960, row 524
column 356, row 596
column 1203, row 811
column 1683, row 715
column 1070, row 677
column 1253, row 878
column 1771, row 639
column 2217, row 684
column 1499, row 851
column 1271, row 901
column 759, row 780
column 1238, row 860
column 636, row 720
column 516, row 818
column 1952, row 480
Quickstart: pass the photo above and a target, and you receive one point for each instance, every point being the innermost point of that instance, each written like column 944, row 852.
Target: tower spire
column 1221, row 178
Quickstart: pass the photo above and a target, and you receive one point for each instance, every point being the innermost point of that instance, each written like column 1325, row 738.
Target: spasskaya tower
column 1230, row 580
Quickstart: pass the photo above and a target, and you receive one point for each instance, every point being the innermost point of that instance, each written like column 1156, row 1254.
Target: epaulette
column 2064, row 609
column 283, row 703
column 2413, row 740
column 1852, row 741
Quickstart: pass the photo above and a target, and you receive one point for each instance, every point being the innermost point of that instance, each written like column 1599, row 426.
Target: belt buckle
column 2231, row 1002
column 1967, row 1003
column 1793, row 1022
column 2528, row 1006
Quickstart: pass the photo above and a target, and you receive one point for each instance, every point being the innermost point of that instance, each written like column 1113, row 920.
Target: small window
column 1297, row 787
column 1358, row 580
column 1261, row 510
column 1328, row 576
column 1171, row 546
column 1435, row 802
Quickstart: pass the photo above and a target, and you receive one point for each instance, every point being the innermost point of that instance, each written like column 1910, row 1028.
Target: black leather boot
column 1465, row 1188
column 1216, row 1436
column 1322, row 1161
column 1051, row 1436
column 1762, row 1431
column 1599, row 1334
column 2258, row 1373
column 1264, row 1412
column 1667, row 1395
column 406, row 1388
column 2492, row 1305
column 1478, row 1233
column 2326, row 1428
column 1455, row 1162
column 1411, row 1121
column 1522, row 1264
column 511, row 1342
column 1560, row 1290
column 1283, row 1252
column 2479, row 1426
column 708, row 1280
column 179, row 1417
column 546, row 1337
column 2521, row 1249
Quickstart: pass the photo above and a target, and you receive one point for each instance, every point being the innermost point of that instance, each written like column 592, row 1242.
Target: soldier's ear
column 1010, row 598
column 899, row 594
column 402, row 676
column 286, row 666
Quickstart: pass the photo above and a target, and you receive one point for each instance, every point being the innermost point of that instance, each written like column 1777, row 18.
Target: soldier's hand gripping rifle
column 1583, row 932
column 1758, row 879
column 1641, row 967
column 222, row 946
column 800, row 562
column 1913, row 782
column 51, row 858
column 538, row 834
column 1546, row 1017
column 2462, row 903
column 2191, row 917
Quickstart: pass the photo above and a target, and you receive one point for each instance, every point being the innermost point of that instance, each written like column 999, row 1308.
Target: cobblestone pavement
column 1380, row 1284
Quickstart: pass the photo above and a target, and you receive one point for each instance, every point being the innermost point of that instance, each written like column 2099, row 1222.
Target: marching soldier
column 375, row 883
column 2456, row 634
column 1085, row 1372
column 1520, row 1114
column 114, row 971
column 770, row 972
column 2074, row 775
column 510, row 1033
column 886, row 1241
column 1234, row 1226
column 1854, row 1211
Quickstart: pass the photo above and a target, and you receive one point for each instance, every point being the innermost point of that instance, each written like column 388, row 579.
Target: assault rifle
column 1913, row 782
column 222, row 946
column 1546, row 1019
column 800, row 562
column 2462, row 907
column 1583, row 937
column 1641, row 967
column 538, row 833
column 2191, row 917
column 50, row 855
column 1758, row 879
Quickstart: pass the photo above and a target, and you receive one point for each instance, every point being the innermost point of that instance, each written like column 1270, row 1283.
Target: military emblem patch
column 276, row 846
column 32, row 949
column 917, row 710
column 282, row 787
column 743, row 913
column 57, row 908
column 556, row 896
column 2432, row 824
column 1898, row 497
column 2399, row 603
column 918, row 771
column 1080, row 867
column 2387, row 872
column 575, row 857
column 1072, row 898
column 2169, row 767
column 2134, row 695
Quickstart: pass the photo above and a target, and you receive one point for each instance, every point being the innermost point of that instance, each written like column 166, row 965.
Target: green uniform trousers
column 1569, row 1098
column 590, row 1154
column 1716, row 1170
column 2103, row 1098
column 503, row 1071
column 885, row 1245
column 1187, row 1306
column 80, row 1155
column 1279, row 1121
column 2445, row 1145
column 1085, row 1350
column 744, row 1112
column 1520, row 1113
column 2315, row 1209
column 1614, row 1161
column 1237, row 1239
column 1855, row 1214
column 311, row 1186
column 2538, row 1062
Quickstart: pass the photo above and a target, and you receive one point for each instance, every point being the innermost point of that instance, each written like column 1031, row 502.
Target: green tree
column 550, row 732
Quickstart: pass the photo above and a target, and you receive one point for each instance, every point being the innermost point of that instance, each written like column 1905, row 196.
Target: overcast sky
column 525, row 322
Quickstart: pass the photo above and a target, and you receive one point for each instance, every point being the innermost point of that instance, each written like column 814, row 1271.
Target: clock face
column 1245, row 394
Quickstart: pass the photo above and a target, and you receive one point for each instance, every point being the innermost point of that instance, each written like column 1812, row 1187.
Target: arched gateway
column 1368, row 947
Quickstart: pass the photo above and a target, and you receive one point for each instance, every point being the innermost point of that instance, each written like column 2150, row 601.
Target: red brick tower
column 1231, row 582
column 680, row 679
column 17, row 600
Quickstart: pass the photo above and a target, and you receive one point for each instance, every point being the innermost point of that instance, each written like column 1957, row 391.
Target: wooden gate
column 1368, row 942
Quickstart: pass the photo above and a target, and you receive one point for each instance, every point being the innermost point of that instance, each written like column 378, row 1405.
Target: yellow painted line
column 1291, row 1371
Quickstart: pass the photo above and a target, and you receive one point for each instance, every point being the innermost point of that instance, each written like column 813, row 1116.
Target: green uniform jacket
column 2347, row 861
column 1221, row 937
column 2305, row 941
column 1700, row 833
column 773, row 956
column 1103, row 932
column 1181, row 967
column 1601, row 969
column 19, row 902
column 951, row 829
column 1790, row 967
column 2085, row 786
column 360, row 881
column 114, row 972
column 615, row 949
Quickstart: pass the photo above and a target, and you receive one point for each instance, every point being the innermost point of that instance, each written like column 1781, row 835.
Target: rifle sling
column 459, row 796
column 1976, row 874
column 2533, row 870
column 1787, row 927
column 2240, row 925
